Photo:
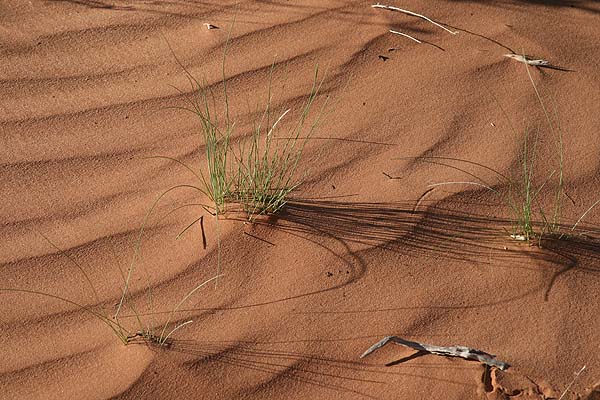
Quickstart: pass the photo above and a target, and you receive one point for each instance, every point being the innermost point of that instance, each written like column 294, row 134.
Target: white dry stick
column 572, row 382
column 518, row 237
column 405, row 35
column 528, row 61
column 451, row 351
column 390, row 8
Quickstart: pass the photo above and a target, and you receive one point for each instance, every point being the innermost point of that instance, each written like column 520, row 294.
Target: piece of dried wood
column 528, row 60
column 391, row 8
column 405, row 35
column 536, row 62
column 451, row 351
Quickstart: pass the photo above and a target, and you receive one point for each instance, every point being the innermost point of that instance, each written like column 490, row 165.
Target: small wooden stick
column 390, row 8
column 404, row 34
column 528, row 61
column 452, row 351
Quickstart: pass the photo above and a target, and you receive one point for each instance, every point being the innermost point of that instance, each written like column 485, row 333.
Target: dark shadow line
column 337, row 139
column 258, row 238
column 432, row 44
column 259, row 362
column 556, row 67
column 417, row 354
column 93, row 4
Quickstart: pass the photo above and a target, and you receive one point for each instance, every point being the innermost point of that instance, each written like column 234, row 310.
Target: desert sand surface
column 365, row 246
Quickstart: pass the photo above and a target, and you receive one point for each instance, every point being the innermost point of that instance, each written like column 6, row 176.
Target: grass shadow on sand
column 440, row 232
column 95, row 4
column 577, row 4
column 192, row 9
column 435, row 230
column 336, row 374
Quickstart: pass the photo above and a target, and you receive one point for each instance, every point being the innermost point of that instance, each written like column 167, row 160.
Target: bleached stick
column 451, row 351
column 528, row 61
column 572, row 382
column 391, row 8
column 405, row 35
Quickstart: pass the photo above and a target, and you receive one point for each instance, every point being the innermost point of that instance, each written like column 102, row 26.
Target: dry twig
column 529, row 61
column 405, row 35
column 572, row 382
column 451, row 351
column 390, row 8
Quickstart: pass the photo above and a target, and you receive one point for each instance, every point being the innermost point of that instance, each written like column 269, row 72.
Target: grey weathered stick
column 391, row 8
column 529, row 61
column 451, row 351
column 540, row 63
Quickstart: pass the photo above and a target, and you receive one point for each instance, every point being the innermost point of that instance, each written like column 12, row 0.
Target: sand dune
column 364, row 248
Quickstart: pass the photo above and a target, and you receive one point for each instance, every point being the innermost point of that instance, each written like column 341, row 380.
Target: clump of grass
column 118, row 329
column 530, row 219
column 521, row 194
column 258, row 175
column 124, row 334
column 265, row 170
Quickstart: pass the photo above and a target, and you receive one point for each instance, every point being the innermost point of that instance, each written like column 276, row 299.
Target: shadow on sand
column 434, row 231
column 440, row 232
column 338, row 375
column 578, row 4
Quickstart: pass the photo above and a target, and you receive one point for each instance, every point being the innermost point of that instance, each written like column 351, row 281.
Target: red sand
column 85, row 86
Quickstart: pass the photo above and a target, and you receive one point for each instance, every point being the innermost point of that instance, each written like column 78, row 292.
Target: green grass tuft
column 258, row 175
column 530, row 219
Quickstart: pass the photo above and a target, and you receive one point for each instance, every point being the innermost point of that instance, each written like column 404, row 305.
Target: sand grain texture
column 85, row 91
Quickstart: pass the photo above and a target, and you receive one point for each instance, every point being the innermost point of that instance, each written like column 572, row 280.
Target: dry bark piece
column 451, row 351
column 391, row 8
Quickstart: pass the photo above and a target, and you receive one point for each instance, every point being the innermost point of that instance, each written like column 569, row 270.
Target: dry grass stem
column 391, row 8
column 405, row 35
